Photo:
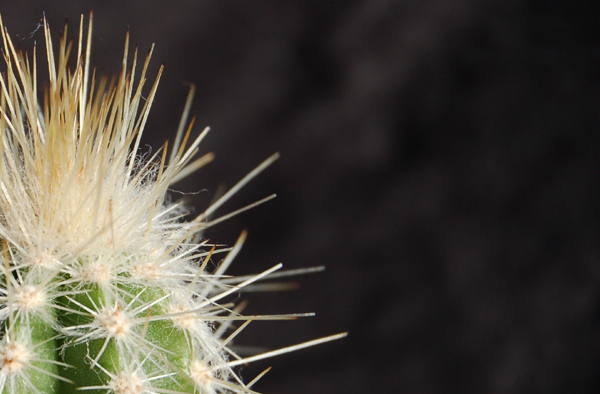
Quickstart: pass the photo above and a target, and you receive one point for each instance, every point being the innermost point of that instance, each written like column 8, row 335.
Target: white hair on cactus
column 99, row 270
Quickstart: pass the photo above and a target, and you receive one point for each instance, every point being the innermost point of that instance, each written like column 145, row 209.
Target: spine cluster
column 104, row 288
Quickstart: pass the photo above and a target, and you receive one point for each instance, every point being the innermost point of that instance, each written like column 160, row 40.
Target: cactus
column 104, row 287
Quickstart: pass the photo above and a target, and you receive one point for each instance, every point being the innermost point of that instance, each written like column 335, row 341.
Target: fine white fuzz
column 103, row 286
column 13, row 357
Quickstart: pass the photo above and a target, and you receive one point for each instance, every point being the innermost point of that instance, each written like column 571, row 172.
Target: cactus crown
column 103, row 286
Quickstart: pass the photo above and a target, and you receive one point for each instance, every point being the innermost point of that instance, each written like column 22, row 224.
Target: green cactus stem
column 104, row 288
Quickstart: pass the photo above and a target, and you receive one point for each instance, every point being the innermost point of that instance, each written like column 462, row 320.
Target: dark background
column 439, row 157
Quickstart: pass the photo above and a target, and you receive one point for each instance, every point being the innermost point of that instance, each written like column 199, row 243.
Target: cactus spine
column 104, row 288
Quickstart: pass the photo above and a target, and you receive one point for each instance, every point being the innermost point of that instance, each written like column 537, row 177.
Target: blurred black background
column 439, row 157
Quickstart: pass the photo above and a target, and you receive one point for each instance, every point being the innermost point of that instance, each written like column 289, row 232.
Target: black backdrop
column 439, row 157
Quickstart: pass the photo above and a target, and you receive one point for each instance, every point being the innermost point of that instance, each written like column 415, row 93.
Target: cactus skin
column 160, row 335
